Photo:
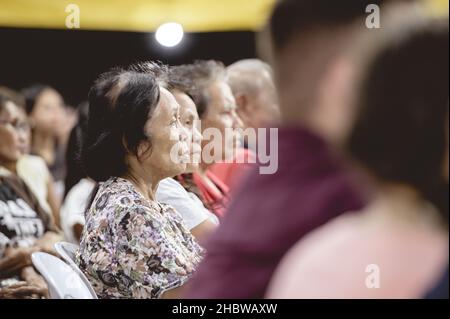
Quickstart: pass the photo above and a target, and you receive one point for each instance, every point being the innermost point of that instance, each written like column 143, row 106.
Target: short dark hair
column 195, row 79
column 120, row 103
column 399, row 133
column 299, row 16
column 75, row 170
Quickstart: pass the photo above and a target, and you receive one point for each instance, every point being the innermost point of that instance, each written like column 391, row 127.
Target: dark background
column 70, row 60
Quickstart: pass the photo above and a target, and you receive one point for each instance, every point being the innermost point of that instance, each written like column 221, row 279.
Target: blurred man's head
column 253, row 88
column 400, row 130
column 314, row 75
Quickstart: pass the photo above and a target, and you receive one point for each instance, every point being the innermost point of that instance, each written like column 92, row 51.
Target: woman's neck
column 44, row 146
column 404, row 204
column 145, row 183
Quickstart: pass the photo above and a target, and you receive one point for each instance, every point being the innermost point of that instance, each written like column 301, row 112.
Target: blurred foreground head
column 400, row 134
column 309, row 45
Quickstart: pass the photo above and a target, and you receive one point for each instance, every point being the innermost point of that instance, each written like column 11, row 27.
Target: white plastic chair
column 67, row 252
column 63, row 282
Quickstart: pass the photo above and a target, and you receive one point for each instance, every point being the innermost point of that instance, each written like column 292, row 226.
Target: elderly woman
column 133, row 246
column 196, row 217
column 24, row 225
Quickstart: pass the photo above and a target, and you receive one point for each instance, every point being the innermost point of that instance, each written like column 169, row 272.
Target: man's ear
column 243, row 107
column 242, row 102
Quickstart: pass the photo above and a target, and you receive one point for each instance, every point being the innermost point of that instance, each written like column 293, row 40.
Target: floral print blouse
column 132, row 247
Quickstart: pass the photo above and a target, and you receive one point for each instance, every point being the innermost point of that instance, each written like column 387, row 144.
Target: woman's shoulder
column 113, row 196
column 33, row 160
column 119, row 195
column 32, row 164
column 171, row 212
column 117, row 188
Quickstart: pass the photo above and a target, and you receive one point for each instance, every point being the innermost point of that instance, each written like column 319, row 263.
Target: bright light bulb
column 169, row 34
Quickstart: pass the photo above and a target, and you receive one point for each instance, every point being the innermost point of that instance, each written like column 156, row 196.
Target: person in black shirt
column 24, row 226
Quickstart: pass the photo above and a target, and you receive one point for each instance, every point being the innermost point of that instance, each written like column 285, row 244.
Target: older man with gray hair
column 251, row 81
column 252, row 84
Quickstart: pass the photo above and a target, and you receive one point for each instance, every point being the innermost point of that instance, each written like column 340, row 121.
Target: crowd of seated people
column 25, row 227
column 156, row 180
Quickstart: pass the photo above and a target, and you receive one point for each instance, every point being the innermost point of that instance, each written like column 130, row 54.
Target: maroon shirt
column 270, row 214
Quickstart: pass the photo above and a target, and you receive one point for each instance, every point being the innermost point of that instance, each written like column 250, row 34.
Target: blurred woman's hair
column 32, row 94
column 399, row 132
column 75, row 171
column 121, row 101
column 194, row 79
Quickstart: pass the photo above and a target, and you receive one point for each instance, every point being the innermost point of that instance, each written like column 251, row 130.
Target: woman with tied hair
column 133, row 246
column 51, row 123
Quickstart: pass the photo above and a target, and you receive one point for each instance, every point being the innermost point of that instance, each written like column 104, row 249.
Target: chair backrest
column 63, row 282
column 67, row 252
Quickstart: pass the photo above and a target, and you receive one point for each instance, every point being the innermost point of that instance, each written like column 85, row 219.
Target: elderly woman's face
column 190, row 121
column 169, row 151
column 14, row 133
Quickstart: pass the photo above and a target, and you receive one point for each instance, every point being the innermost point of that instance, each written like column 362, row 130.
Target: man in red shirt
column 251, row 82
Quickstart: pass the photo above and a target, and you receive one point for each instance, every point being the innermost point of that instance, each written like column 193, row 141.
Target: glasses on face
column 18, row 126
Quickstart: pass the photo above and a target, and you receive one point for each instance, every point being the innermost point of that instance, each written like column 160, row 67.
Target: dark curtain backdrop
column 70, row 60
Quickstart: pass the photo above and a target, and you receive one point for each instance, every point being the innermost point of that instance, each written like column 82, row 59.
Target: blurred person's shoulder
column 34, row 171
column 32, row 165
column 352, row 254
column 78, row 197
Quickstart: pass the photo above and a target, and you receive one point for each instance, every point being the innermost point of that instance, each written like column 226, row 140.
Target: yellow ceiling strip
column 437, row 7
column 147, row 15
column 138, row 15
